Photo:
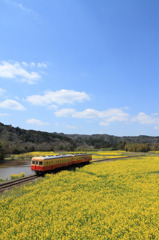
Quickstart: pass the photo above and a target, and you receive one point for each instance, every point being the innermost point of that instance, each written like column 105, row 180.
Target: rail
column 9, row 184
column 114, row 159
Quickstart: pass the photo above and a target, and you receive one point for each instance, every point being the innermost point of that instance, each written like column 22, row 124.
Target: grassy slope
column 114, row 200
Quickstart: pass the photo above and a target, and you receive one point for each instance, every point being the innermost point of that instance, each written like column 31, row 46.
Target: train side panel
column 46, row 164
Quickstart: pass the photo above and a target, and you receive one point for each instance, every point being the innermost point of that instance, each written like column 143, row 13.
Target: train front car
column 45, row 164
column 37, row 165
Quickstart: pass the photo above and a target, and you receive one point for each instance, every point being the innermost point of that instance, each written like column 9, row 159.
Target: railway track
column 114, row 159
column 10, row 184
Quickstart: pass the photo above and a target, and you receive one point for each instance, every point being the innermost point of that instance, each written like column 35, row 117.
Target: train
column 45, row 164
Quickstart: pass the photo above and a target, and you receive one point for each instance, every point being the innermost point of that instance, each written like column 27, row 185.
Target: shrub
column 14, row 176
column 22, row 175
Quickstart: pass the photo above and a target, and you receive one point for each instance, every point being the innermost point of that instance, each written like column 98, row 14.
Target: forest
column 14, row 140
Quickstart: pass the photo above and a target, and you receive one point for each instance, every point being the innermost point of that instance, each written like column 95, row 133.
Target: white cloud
column 155, row 114
column 65, row 112
column 55, row 107
column 17, row 71
column 143, row 118
column 11, row 104
column 23, row 8
column 33, row 64
column 104, row 123
column 114, row 114
column 36, row 100
column 4, row 114
column 28, row 10
column 71, row 127
column 37, row 122
column 59, row 97
column 41, row 65
column 88, row 113
column 109, row 115
column 2, row 91
column 25, row 64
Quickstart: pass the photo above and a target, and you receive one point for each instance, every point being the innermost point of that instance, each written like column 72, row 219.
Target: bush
column 14, row 176
column 137, row 147
column 1, row 152
column 22, row 175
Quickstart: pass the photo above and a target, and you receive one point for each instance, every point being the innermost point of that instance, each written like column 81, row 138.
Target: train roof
column 58, row 156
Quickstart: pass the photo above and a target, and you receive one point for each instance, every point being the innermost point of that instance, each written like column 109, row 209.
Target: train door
column 36, row 165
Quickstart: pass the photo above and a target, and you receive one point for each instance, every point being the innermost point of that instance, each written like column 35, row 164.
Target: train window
column 33, row 162
column 36, row 163
column 40, row 163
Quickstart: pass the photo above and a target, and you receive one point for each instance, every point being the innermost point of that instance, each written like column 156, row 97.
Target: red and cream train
column 48, row 163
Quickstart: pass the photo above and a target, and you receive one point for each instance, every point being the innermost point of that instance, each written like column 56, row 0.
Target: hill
column 17, row 140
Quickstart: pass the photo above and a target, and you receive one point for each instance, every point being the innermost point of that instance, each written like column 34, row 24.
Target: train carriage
column 49, row 163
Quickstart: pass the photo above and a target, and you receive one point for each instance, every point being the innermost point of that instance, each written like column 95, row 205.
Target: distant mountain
column 110, row 141
column 16, row 140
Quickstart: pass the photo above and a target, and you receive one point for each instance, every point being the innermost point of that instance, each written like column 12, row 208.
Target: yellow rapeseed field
column 108, row 200
column 98, row 155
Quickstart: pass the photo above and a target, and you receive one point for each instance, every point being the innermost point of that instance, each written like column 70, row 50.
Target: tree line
column 17, row 140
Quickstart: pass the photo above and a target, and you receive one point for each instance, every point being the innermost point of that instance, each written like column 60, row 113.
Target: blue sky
column 80, row 66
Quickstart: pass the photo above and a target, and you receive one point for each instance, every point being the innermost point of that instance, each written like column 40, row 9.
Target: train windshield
column 33, row 162
column 40, row 163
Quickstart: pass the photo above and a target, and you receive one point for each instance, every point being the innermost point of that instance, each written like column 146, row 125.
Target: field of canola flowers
column 113, row 200
column 95, row 155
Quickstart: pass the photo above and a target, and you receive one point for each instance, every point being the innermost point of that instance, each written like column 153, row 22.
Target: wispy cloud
column 37, row 122
column 12, row 105
column 65, row 112
column 33, row 64
column 71, row 127
column 109, row 115
column 143, row 118
column 23, row 8
column 26, row 10
column 59, row 97
column 2, row 91
column 19, row 71
column 4, row 114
